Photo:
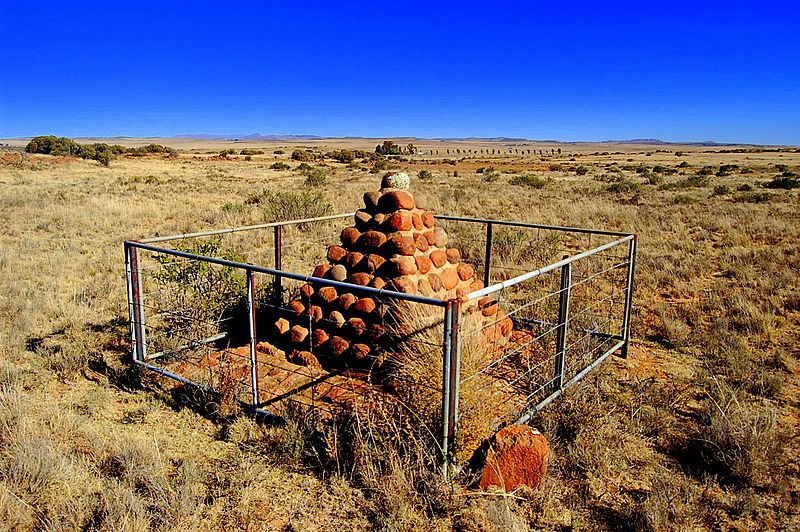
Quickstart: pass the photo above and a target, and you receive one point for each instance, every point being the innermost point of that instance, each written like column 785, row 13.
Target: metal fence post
column 455, row 371
column 561, row 332
column 446, row 353
column 487, row 260
column 626, row 319
column 135, row 311
column 277, row 280
column 251, row 319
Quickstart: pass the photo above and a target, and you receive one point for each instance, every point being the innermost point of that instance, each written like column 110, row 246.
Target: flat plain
column 696, row 430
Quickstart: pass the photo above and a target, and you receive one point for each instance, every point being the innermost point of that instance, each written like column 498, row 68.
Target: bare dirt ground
column 696, row 429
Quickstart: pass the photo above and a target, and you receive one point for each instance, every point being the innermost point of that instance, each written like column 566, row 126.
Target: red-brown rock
column 352, row 259
column 394, row 200
column 363, row 220
column 304, row 358
column 404, row 285
column 315, row 312
column 297, row 334
column 371, row 199
column 321, row 270
column 465, row 271
column 436, row 282
column 427, row 219
column 477, row 284
column 280, row 327
column 402, row 245
column 449, row 278
column 517, row 456
column 359, row 351
column 453, row 256
column 336, row 318
column 356, row 326
column 438, row 258
column 336, row 253
column 327, row 294
column 423, row 264
column 371, row 262
column 400, row 221
column 349, row 236
column 372, row 240
column 430, row 236
column 403, row 265
column 319, row 337
column 306, row 291
column 416, row 220
column 364, row 305
column 346, row 300
column 421, row 243
column 360, row 278
column 297, row 307
column 338, row 345
column 377, row 282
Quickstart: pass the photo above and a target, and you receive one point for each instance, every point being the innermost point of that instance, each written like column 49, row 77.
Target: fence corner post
column 251, row 319
column 561, row 332
column 135, row 310
column 626, row 319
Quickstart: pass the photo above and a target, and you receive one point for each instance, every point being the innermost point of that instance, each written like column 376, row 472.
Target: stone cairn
column 395, row 245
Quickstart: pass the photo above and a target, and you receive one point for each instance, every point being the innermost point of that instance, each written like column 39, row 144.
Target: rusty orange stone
column 319, row 337
column 336, row 253
column 453, row 255
column 349, row 236
column 423, row 264
column 427, row 219
column 306, row 291
column 280, row 327
column 371, row 262
column 404, row 285
column 421, row 242
column 416, row 221
column 438, row 258
column 436, row 282
column 327, row 294
column 360, row 278
column 517, row 456
column 449, row 278
column 359, row 351
column 400, row 221
column 338, row 345
column 352, row 259
column 297, row 307
column 394, row 200
column 377, row 282
column 372, row 240
column 365, row 305
column 347, row 300
column 297, row 334
column 403, row 245
column 465, row 271
column 321, row 270
column 404, row 265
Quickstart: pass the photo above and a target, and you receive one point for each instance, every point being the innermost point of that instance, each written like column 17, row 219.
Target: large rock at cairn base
column 517, row 456
column 395, row 245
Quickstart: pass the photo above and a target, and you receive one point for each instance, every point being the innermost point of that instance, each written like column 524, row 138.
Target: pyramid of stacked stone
column 395, row 245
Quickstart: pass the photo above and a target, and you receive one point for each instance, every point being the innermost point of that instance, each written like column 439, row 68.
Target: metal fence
column 201, row 305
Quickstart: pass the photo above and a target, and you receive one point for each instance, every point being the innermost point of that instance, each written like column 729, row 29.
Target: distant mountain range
column 259, row 136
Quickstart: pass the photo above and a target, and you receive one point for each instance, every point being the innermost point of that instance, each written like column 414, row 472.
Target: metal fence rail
column 200, row 305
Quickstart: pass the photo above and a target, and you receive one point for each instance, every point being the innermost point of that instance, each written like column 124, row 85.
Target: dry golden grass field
column 696, row 430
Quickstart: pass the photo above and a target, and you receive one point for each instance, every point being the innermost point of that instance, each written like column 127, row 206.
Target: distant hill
column 251, row 136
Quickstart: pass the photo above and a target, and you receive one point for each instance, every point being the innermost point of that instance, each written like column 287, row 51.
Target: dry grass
column 693, row 431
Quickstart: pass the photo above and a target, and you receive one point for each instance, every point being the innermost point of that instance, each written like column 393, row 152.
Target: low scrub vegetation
column 100, row 152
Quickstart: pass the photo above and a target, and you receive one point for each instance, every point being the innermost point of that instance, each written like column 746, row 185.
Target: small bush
column 722, row 190
column 706, row 170
column 302, row 155
column 280, row 166
column 530, row 180
column 744, row 187
column 655, row 179
column 754, row 197
column 425, row 174
column 623, row 186
column 783, row 182
column 684, row 199
column 282, row 206
column 250, row 151
column 581, row 170
column 683, row 164
column 278, row 152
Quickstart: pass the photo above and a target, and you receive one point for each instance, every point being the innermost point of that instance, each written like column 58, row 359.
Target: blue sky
column 724, row 71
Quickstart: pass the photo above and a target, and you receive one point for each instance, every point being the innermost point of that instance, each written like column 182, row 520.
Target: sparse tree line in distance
column 100, row 152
